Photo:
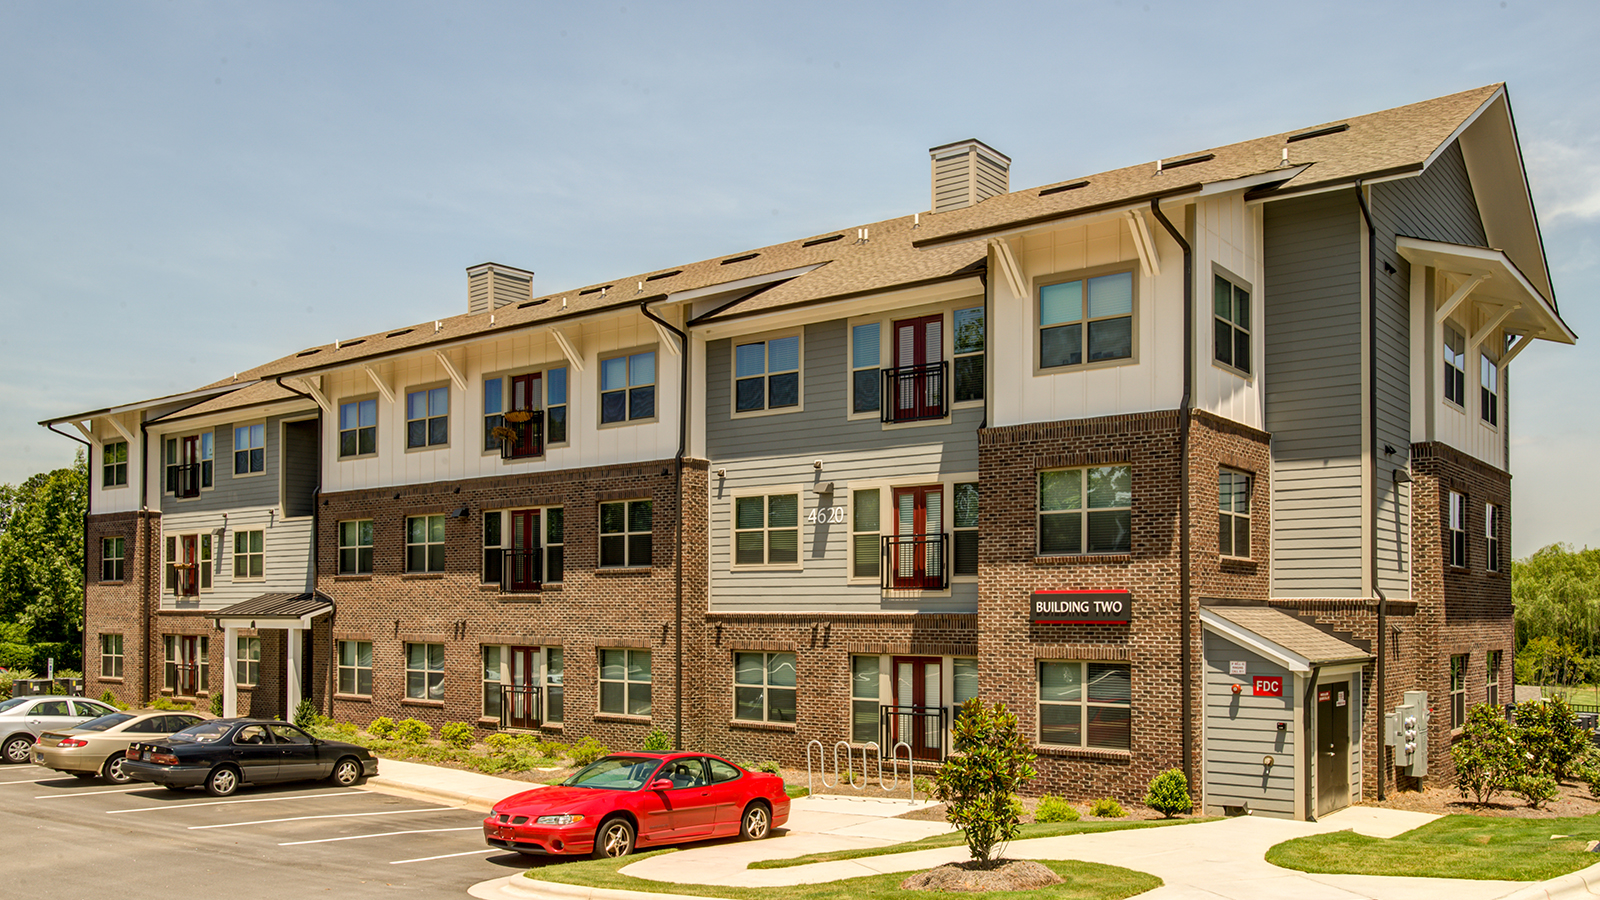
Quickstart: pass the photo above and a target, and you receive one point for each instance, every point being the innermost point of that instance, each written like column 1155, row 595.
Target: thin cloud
column 1565, row 179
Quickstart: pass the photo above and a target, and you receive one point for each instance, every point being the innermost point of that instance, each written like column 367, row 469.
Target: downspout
column 88, row 504
column 1185, row 712
column 144, row 517
column 683, row 445
column 1308, row 753
column 316, row 540
column 1372, row 465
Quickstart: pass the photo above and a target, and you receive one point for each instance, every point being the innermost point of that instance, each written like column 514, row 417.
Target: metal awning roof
column 274, row 611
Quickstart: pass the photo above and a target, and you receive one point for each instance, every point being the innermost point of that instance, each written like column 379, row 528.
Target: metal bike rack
column 821, row 771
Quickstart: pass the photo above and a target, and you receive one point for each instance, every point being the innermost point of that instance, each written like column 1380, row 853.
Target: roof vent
column 967, row 172
column 491, row 286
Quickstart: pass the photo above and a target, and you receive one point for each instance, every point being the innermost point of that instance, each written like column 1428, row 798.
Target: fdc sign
column 1080, row 607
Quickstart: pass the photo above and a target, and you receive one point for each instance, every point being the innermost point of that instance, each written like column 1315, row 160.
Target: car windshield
column 615, row 773
column 13, row 703
column 204, row 733
column 104, row 722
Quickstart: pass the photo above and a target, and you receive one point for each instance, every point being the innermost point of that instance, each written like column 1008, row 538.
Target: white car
column 23, row 719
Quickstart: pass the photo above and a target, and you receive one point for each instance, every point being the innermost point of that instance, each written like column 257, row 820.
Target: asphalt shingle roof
column 1291, row 633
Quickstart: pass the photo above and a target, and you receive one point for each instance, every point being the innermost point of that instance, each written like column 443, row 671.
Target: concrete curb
column 1572, row 886
column 441, row 795
column 520, row 887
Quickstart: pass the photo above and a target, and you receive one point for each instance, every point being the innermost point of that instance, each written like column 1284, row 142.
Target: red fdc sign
column 1268, row 685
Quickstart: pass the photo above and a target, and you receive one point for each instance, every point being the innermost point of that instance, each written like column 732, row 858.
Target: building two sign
column 1080, row 607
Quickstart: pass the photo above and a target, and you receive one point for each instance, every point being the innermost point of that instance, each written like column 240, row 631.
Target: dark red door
column 918, row 706
column 916, row 557
column 523, row 567
column 917, row 386
column 188, row 665
column 189, row 472
column 188, row 565
column 526, row 395
column 522, row 710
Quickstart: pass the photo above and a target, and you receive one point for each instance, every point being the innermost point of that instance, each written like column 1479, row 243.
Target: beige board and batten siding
column 775, row 454
column 1314, row 401
column 286, row 560
column 1227, row 236
column 1241, row 730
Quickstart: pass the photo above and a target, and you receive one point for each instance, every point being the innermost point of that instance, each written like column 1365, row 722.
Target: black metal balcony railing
column 915, row 562
column 521, row 706
column 186, row 679
column 521, row 571
column 186, row 480
column 529, row 435
column 916, row 393
column 188, row 579
column 922, row 728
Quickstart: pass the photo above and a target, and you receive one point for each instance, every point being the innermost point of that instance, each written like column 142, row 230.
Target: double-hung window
column 249, row 556
column 766, row 530
column 358, row 428
column 1489, row 391
column 1458, row 530
column 523, row 549
column 625, row 528
column 188, row 564
column 625, row 682
column 249, row 449
column 1491, row 537
column 425, row 543
column 767, row 375
column 110, row 656
column 1491, row 679
column 967, row 333
column 425, row 671
column 1455, row 367
column 1086, row 510
column 1085, row 704
column 865, row 551
column 355, row 547
column 247, row 660
column 189, row 463
column 355, row 668
column 114, row 465
column 1085, row 320
column 428, row 418
column 764, row 687
column 1230, row 307
column 965, row 530
column 1233, row 514
column 112, row 555
column 866, row 351
column 864, row 693
column 1458, row 690
column 628, row 388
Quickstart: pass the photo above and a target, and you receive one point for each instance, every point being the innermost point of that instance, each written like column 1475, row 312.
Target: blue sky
column 188, row 189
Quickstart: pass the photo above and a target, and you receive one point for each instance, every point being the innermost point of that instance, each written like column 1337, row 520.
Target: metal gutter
column 1372, row 470
column 990, row 230
column 683, row 445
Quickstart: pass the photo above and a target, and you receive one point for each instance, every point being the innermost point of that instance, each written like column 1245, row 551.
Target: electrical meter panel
column 1406, row 730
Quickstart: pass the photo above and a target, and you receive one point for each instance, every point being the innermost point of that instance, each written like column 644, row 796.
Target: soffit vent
column 491, row 286
column 966, row 173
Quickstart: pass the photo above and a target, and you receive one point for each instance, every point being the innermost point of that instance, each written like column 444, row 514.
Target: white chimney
column 967, row 172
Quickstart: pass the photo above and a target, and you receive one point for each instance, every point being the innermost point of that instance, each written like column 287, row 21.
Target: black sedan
column 225, row 753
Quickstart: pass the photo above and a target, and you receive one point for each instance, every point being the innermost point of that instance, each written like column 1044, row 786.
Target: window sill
column 1238, row 564
column 1082, row 559
column 622, row 571
column 1083, row 753
column 354, row 698
column 117, row 680
column 751, row 725
column 621, row 718
column 421, row 576
column 413, row 701
column 1232, row 370
column 366, row 577
column 358, row 456
column 117, row 583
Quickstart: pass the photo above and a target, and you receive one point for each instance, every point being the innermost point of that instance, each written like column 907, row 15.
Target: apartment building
column 1179, row 461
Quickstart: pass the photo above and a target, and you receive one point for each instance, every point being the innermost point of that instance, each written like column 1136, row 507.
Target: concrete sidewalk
column 456, row 787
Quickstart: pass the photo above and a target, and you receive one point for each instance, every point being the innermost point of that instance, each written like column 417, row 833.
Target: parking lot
column 89, row 836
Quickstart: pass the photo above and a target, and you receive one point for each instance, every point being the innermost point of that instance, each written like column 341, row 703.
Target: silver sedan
column 23, row 719
column 98, row 746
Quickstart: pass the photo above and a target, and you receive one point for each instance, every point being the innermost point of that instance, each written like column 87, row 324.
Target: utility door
column 918, row 705
column 1333, row 747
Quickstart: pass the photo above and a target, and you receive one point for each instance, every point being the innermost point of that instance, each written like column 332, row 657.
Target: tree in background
column 41, row 563
column 1557, row 597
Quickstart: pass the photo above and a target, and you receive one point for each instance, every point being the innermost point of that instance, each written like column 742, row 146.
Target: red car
column 633, row 800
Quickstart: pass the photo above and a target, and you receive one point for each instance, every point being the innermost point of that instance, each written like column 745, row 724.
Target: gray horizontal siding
column 1240, row 729
column 229, row 491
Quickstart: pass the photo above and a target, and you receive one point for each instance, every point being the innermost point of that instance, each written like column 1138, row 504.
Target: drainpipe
column 1186, row 714
column 1372, row 466
column 683, row 446
column 88, row 504
column 144, row 516
column 1309, row 752
column 316, row 539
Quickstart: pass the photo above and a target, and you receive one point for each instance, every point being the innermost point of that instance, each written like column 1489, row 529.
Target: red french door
column 917, row 717
column 188, row 665
column 188, row 565
column 189, row 468
column 916, row 552
column 526, row 394
column 522, row 708
column 916, row 384
column 522, row 566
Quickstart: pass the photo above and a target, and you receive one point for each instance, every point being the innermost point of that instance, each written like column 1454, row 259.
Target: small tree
column 1487, row 757
column 979, row 783
column 1548, row 734
column 1169, row 793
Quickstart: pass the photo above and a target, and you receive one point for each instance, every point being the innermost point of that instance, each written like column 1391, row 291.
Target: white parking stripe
column 30, row 781
column 90, row 793
column 401, row 862
column 362, row 837
column 227, row 802
column 388, row 812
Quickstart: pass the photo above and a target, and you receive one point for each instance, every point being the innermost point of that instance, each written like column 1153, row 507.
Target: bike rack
column 821, row 771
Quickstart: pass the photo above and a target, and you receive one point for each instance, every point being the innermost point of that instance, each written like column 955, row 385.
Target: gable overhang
column 1504, row 286
column 1493, row 156
column 1284, row 656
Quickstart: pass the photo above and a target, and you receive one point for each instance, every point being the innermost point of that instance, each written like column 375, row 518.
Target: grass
column 1457, row 846
column 956, row 839
column 1577, row 693
column 1080, row 881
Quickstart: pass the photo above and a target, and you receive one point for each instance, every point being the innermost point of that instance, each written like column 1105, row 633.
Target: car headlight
column 567, row 819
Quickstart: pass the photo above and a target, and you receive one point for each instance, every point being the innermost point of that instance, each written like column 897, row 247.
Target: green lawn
column 1452, row 847
column 956, row 839
column 1081, row 881
column 1578, row 693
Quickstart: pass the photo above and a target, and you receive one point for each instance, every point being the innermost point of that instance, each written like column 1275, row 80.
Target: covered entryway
column 1282, row 714
column 293, row 614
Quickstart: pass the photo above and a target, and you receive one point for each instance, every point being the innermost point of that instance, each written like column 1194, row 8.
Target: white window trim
column 403, row 400
column 1130, row 266
column 233, row 462
column 106, row 557
column 1491, row 537
column 377, row 426
column 543, row 370
column 405, row 566
column 1499, row 399
column 873, row 415
column 950, row 344
column 625, row 533
column 627, row 694
column 337, row 667
column 1083, row 703
column 1451, row 530
column 599, row 406
column 733, row 373
column 1444, row 368
column 542, row 679
column 105, row 654
column 800, row 528
column 126, row 464
column 216, row 557
column 233, row 553
column 179, row 438
column 241, row 661
column 406, row 670
column 340, row 547
column 1250, row 486
column 885, row 322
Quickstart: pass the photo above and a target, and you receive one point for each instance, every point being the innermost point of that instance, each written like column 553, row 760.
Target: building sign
column 1268, row 685
column 1080, row 607
column 1235, row 667
column 1324, row 696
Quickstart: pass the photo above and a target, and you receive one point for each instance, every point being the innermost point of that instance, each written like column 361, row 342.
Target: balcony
column 521, row 571
column 187, row 577
column 916, row 393
column 521, row 706
column 922, row 728
column 915, row 562
column 523, row 435
column 184, row 480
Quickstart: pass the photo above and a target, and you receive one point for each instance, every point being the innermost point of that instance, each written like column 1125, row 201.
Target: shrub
column 979, row 783
column 1054, row 809
column 110, row 699
column 16, row 656
column 167, row 704
column 1169, row 793
column 381, row 728
column 553, row 749
column 9, row 677
column 1534, row 787
column 412, row 731
column 1487, row 756
column 346, row 730
column 216, row 704
column 456, row 734
column 657, row 741
column 306, row 715
column 1547, row 733
column 921, row 784
column 500, row 742
column 1106, row 808
column 769, row 766
column 587, row 751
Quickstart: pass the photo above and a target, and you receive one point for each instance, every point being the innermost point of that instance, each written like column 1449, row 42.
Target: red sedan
column 639, row 800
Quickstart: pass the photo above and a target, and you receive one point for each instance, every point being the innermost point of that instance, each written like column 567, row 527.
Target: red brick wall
column 118, row 607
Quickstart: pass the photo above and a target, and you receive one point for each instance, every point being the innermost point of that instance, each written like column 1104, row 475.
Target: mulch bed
column 1574, row 800
column 1135, row 813
column 992, row 875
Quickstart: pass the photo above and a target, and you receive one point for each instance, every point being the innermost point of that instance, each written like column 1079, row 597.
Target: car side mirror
column 661, row 784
